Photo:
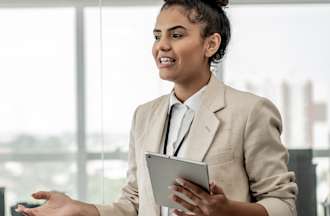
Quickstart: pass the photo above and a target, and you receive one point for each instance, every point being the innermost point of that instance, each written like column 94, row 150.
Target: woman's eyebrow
column 170, row 29
column 176, row 27
column 156, row 31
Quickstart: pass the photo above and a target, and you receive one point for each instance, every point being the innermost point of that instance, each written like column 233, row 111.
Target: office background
column 52, row 92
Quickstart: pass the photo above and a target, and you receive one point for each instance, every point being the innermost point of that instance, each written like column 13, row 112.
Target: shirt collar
column 193, row 102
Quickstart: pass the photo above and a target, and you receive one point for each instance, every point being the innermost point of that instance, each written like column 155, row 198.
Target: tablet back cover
column 163, row 171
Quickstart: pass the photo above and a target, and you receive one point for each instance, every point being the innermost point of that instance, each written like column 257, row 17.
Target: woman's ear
column 212, row 44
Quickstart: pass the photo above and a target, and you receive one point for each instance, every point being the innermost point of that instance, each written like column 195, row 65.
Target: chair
column 2, row 201
column 301, row 163
column 326, row 206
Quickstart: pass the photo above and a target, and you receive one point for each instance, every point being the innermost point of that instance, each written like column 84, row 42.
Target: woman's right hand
column 57, row 204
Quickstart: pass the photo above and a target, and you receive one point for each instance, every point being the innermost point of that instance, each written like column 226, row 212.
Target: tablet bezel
column 164, row 169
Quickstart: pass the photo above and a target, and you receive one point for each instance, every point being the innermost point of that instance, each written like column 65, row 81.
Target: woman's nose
column 164, row 44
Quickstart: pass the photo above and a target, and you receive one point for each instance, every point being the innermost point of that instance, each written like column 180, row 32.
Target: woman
column 236, row 133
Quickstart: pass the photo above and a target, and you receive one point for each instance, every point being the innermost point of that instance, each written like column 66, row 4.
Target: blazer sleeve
column 266, row 161
column 128, row 202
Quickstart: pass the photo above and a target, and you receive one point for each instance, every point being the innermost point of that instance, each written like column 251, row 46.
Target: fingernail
column 179, row 181
column 171, row 187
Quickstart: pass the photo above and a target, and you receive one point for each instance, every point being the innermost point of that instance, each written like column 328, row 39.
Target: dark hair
column 212, row 15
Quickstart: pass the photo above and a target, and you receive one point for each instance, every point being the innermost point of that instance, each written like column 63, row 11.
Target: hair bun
column 222, row 3
column 217, row 3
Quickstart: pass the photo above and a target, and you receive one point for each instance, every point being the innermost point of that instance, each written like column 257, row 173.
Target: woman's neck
column 185, row 90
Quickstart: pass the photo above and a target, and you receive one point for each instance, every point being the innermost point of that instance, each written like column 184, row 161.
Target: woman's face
column 179, row 49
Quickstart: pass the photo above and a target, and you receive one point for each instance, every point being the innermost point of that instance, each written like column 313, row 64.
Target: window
column 130, row 78
column 281, row 52
column 37, row 112
column 277, row 51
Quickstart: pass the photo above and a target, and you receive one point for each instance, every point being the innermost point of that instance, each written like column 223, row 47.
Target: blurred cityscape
column 306, row 132
column 299, row 110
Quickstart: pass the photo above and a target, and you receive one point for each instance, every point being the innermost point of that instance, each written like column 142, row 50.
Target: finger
column 25, row 211
column 42, row 195
column 29, row 212
column 190, row 207
column 195, row 189
column 20, row 208
column 215, row 189
column 189, row 194
column 24, row 214
column 179, row 212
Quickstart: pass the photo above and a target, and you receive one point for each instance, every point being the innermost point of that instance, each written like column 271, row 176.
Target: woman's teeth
column 166, row 60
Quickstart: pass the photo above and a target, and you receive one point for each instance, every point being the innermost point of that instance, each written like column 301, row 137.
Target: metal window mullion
column 60, row 157
column 81, row 105
column 93, row 3
column 114, row 155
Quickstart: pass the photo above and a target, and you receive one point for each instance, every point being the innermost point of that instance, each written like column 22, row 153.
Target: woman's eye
column 176, row 35
column 157, row 37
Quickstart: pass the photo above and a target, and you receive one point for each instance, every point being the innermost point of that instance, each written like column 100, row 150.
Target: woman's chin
column 166, row 76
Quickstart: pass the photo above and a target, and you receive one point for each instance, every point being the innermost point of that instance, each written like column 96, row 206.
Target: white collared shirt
column 181, row 119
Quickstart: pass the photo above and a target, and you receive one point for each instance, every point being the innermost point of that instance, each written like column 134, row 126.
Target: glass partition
column 281, row 52
column 37, row 97
column 59, row 111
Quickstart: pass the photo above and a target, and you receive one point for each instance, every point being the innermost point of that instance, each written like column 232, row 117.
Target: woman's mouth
column 166, row 61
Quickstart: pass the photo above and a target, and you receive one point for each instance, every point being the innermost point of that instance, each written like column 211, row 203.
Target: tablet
column 164, row 169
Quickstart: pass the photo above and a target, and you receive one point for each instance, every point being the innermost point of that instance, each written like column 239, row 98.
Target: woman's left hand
column 206, row 204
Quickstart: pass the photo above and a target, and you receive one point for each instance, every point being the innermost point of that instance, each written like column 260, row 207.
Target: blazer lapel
column 206, row 123
column 202, row 132
column 151, row 141
column 153, row 136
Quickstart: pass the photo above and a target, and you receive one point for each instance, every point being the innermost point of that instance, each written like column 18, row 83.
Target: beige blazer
column 236, row 133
